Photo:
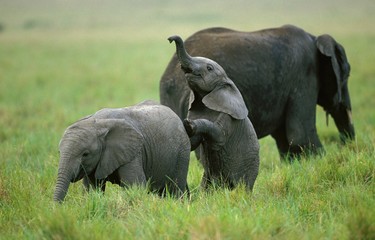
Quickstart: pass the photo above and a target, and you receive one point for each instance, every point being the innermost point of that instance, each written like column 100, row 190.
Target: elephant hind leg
column 178, row 186
column 172, row 189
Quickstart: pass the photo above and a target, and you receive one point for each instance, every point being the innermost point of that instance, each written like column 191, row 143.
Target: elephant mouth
column 192, row 77
column 80, row 175
column 193, row 81
column 186, row 69
column 189, row 72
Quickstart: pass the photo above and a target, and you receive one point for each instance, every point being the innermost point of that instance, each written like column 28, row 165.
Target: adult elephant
column 282, row 73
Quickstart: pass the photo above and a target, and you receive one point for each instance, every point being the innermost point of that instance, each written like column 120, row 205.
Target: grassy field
column 61, row 60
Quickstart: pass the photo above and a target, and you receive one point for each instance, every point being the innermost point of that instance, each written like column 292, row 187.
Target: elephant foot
column 190, row 127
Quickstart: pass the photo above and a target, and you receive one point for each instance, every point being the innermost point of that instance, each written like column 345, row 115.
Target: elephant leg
column 195, row 141
column 281, row 141
column 203, row 128
column 178, row 186
column 90, row 181
column 131, row 173
column 301, row 131
column 174, row 189
column 206, row 182
column 222, row 181
column 187, row 191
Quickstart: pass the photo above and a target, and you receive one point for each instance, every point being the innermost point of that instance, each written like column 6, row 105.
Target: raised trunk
column 185, row 59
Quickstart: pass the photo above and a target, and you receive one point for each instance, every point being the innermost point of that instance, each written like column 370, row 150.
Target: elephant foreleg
column 300, row 129
column 195, row 141
column 282, row 142
column 131, row 173
column 205, row 129
column 90, row 182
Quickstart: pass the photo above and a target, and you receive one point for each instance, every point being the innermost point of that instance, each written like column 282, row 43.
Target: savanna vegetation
column 62, row 60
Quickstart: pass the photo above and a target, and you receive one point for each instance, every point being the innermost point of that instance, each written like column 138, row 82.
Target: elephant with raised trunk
column 217, row 122
column 143, row 144
column 282, row 74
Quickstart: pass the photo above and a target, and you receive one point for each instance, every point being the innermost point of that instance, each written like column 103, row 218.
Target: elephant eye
column 210, row 67
column 85, row 154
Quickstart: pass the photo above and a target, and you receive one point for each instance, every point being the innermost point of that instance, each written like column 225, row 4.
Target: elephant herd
column 221, row 92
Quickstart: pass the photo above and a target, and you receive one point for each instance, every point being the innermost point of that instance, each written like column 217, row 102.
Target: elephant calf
column 133, row 145
column 217, row 121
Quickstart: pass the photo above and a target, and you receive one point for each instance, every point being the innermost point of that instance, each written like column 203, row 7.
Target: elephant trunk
column 185, row 59
column 64, row 176
column 62, row 185
column 344, row 123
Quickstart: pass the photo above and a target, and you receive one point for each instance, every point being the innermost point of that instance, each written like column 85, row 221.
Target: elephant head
column 95, row 147
column 334, row 94
column 209, row 81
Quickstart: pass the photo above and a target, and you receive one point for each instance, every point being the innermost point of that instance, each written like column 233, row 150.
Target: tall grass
column 61, row 60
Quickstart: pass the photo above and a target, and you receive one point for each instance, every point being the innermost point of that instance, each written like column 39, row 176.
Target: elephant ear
column 191, row 98
column 334, row 69
column 122, row 144
column 227, row 98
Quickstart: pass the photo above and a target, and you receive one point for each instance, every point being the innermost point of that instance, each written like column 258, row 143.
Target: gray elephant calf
column 133, row 145
column 217, row 120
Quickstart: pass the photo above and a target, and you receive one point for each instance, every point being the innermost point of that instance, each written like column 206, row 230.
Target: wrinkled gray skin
column 217, row 120
column 125, row 146
column 282, row 73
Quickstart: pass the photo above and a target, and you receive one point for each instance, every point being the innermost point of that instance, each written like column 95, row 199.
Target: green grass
column 63, row 60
